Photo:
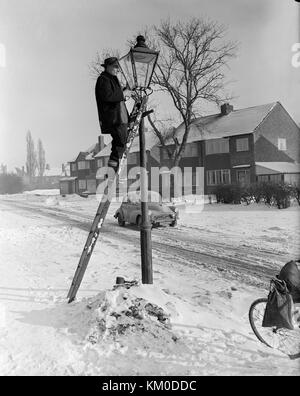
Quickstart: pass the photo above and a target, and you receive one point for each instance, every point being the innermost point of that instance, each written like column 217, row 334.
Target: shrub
column 277, row 194
column 282, row 195
column 296, row 193
column 229, row 193
column 10, row 183
column 257, row 192
column 252, row 193
column 267, row 191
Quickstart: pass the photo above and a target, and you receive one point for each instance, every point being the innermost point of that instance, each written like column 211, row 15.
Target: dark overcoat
column 109, row 95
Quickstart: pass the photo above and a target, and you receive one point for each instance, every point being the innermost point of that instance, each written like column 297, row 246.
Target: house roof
column 92, row 148
column 89, row 153
column 54, row 172
column 104, row 152
column 89, row 157
column 150, row 138
column 238, row 122
column 264, row 168
column 67, row 179
column 151, row 141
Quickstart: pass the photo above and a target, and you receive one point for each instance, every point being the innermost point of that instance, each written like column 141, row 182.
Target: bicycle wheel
column 286, row 341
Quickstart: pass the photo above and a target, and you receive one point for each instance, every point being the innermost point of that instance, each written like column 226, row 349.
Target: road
column 211, row 275
column 197, row 248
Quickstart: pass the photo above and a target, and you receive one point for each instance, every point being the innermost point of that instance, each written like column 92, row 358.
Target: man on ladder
column 114, row 120
column 112, row 111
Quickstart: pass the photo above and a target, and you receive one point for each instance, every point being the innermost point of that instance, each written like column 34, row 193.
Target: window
column 242, row 144
column 83, row 165
column 276, row 178
column 281, row 144
column 243, row 177
column 220, row 176
column 191, row 150
column 102, row 162
column 73, row 167
column 263, row 178
column 82, row 184
column 165, row 154
column 217, row 146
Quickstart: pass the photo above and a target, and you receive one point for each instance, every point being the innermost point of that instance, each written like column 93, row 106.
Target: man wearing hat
column 113, row 114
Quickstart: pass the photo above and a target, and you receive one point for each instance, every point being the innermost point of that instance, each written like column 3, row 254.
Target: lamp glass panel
column 126, row 75
column 144, row 64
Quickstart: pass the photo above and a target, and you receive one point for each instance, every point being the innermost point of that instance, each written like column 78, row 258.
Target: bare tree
column 3, row 169
column 190, row 69
column 193, row 56
column 41, row 159
column 95, row 66
column 31, row 161
column 19, row 171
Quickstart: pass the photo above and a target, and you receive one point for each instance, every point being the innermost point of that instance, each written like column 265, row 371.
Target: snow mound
column 53, row 191
column 125, row 316
column 52, row 201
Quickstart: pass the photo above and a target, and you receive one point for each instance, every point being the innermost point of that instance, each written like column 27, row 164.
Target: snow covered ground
column 207, row 271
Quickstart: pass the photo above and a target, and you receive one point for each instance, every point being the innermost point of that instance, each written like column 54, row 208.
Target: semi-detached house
column 260, row 143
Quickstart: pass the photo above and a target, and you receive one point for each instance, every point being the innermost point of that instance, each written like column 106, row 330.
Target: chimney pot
column 226, row 108
column 101, row 142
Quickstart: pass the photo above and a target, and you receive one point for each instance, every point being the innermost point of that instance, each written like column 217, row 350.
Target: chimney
column 226, row 108
column 101, row 143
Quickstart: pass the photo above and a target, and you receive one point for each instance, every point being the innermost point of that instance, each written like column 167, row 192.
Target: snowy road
column 211, row 267
column 256, row 265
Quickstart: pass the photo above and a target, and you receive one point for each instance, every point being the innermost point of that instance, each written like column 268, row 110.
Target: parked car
column 160, row 213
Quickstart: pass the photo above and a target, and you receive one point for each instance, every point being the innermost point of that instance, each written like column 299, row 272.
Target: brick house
column 260, row 143
column 84, row 167
column 83, row 171
column 243, row 146
column 133, row 160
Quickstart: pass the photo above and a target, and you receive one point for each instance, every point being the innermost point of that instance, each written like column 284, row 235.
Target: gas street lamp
column 137, row 68
column 138, row 65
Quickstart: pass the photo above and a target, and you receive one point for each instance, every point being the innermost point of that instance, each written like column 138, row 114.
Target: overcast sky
column 46, row 86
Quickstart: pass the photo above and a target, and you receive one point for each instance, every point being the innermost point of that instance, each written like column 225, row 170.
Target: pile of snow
column 54, row 191
column 52, row 201
column 128, row 317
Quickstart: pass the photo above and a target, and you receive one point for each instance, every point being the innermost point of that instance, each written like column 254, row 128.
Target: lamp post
column 137, row 68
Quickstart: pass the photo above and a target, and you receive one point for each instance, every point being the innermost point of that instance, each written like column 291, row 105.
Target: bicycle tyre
column 284, row 340
column 252, row 321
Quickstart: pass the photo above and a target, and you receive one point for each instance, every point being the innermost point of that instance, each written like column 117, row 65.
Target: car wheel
column 121, row 221
column 174, row 223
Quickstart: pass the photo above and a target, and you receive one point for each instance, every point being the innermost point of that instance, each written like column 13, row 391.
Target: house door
column 64, row 188
column 72, row 187
column 91, row 186
column 243, row 177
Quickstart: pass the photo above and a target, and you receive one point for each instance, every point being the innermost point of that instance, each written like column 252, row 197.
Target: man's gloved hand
column 127, row 93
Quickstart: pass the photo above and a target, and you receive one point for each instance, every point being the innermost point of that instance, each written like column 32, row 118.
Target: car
column 160, row 213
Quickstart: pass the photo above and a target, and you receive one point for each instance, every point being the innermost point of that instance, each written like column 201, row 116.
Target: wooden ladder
column 135, row 119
